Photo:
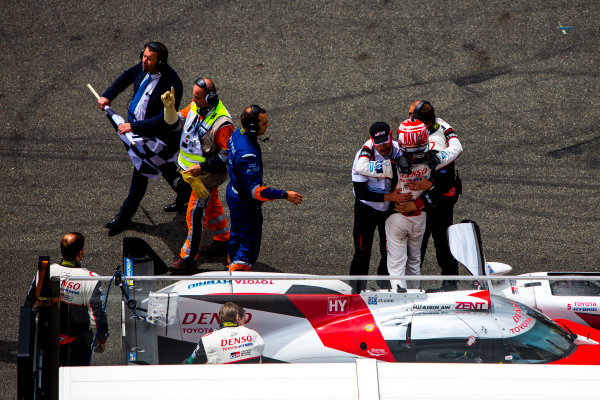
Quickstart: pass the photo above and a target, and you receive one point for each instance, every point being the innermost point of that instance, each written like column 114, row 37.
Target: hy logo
column 337, row 306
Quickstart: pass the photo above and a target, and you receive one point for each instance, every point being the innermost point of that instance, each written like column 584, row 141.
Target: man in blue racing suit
column 246, row 191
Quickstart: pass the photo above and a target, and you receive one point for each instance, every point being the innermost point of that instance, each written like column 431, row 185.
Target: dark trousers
column 366, row 220
column 246, row 222
column 438, row 221
column 75, row 354
column 139, row 184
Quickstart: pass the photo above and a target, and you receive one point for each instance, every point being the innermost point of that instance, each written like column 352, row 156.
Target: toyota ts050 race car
column 304, row 319
column 572, row 296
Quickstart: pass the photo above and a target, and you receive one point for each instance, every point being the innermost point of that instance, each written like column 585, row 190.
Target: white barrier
column 365, row 380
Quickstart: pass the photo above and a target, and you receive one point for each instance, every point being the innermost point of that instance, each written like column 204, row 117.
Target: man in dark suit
column 150, row 78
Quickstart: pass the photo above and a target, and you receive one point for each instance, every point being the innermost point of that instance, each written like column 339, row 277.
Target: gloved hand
column 196, row 183
column 433, row 161
column 168, row 99
column 403, row 163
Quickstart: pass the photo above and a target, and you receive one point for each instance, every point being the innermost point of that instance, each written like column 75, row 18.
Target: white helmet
column 413, row 136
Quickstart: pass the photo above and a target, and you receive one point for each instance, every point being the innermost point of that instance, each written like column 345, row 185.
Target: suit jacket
column 153, row 125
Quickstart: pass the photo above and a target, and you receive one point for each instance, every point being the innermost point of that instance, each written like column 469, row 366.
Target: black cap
column 380, row 133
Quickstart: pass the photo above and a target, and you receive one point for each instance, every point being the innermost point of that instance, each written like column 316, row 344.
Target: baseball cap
column 380, row 133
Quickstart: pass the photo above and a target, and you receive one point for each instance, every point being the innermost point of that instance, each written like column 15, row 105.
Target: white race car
column 573, row 296
column 304, row 319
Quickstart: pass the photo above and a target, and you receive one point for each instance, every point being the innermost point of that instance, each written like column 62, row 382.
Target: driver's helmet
column 413, row 136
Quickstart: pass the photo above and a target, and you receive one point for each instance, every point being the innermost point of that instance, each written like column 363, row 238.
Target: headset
column 211, row 98
column 251, row 125
column 417, row 112
column 163, row 54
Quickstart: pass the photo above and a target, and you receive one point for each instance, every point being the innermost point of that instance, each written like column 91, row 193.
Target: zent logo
column 337, row 306
column 467, row 305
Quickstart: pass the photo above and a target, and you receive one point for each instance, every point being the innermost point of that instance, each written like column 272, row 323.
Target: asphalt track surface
column 521, row 94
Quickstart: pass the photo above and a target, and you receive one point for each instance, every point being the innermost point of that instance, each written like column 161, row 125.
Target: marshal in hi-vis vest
column 198, row 142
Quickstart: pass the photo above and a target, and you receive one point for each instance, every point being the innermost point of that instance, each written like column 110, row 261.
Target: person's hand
column 405, row 207
column 403, row 164
column 293, row 197
column 99, row 347
column 396, row 196
column 102, row 102
column 196, row 184
column 419, row 183
column 170, row 115
column 434, row 161
column 195, row 170
column 124, row 128
column 168, row 98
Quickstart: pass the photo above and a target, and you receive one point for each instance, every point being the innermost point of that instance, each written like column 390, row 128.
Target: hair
column 229, row 311
column 71, row 244
column 248, row 116
column 161, row 46
column 427, row 114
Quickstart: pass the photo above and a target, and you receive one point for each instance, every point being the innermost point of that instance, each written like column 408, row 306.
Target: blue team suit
column 246, row 193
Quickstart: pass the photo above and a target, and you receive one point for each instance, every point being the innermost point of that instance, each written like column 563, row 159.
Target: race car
column 304, row 319
column 571, row 296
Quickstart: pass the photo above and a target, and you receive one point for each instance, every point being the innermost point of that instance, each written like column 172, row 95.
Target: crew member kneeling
column 232, row 343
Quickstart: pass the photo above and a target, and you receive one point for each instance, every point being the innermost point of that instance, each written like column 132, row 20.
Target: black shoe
column 449, row 286
column 118, row 223
column 174, row 207
column 358, row 286
column 182, row 266
column 216, row 249
column 384, row 285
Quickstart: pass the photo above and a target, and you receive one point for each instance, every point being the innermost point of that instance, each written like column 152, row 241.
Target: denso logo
column 205, row 318
column 70, row 285
column 422, row 171
column 467, row 305
column 337, row 306
column 235, row 341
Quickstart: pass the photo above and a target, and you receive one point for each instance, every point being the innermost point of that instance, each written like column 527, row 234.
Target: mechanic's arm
column 440, row 191
column 252, row 181
column 98, row 320
column 362, row 192
column 198, row 356
column 378, row 169
column 31, row 299
column 445, row 150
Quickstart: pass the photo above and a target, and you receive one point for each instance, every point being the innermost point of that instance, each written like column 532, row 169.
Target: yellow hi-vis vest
column 198, row 137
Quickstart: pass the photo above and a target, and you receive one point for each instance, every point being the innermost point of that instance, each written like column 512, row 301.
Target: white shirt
column 140, row 109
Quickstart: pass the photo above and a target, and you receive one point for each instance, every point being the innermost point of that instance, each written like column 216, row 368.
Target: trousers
column 139, row 185
column 200, row 214
column 246, row 229
column 366, row 221
column 438, row 221
column 404, row 236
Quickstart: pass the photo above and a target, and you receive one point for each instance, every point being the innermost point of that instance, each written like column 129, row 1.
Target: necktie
column 137, row 97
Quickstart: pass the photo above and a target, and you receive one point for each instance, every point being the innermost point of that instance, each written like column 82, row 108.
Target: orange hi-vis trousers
column 201, row 213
